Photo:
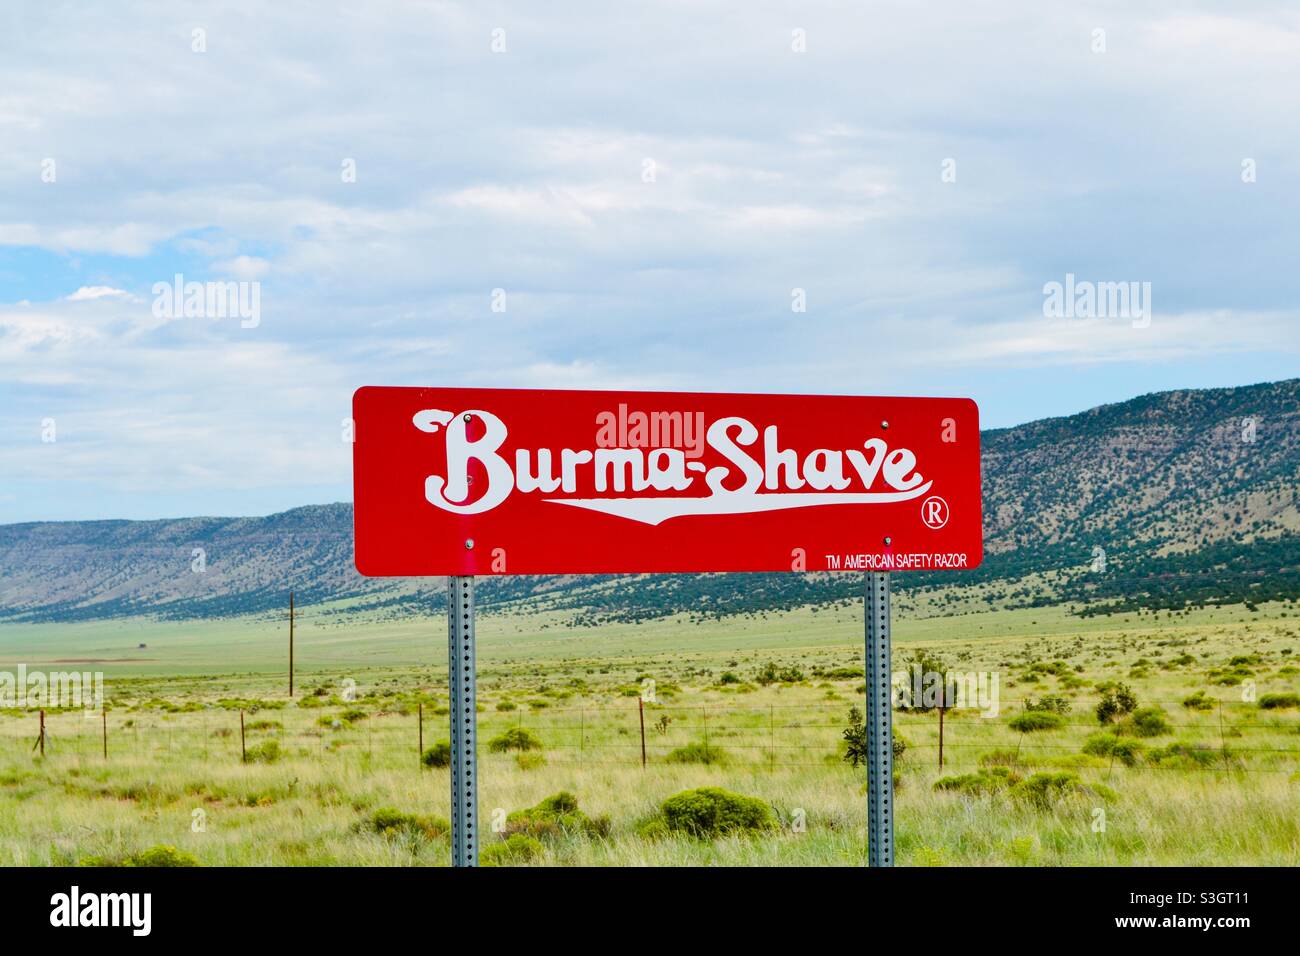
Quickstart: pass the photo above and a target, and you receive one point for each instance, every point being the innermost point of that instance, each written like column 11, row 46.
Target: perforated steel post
column 464, row 721
column 880, row 722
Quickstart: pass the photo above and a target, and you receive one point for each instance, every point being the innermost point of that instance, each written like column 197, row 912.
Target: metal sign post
column 464, row 721
column 880, row 722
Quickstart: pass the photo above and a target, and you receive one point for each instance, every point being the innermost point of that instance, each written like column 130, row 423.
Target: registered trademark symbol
column 934, row 512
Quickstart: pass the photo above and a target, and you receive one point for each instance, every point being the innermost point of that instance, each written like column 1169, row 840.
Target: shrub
column 344, row 719
column 1127, row 752
column 555, row 816
column 985, row 780
column 1040, row 668
column 697, row 753
column 855, row 740
column 1116, row 701
column 770, row 674
column 1279, row 701
column 1185, row 756
column 1199, row 701
column 516, row 738
column 1034, row 720
column 530, row 761
column 653, row 828
column 439, row 755
column 506, row 705
column 927, row 665
column 266, row 752
column 161, row 855
column 1044, row 789
column 1051, row 704
column 710, row 811
column 844, row 673
column 1146, row 722
column 516, row 848
column 729, row 677
column 386, row 821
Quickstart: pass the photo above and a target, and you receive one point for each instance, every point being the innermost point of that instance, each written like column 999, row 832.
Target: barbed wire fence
column 1235, row 737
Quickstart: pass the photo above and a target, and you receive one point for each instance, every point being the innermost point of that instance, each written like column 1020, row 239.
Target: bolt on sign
column 467, row 481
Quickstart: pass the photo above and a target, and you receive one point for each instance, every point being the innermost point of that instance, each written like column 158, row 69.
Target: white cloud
column 89, row 293
column 526, row 171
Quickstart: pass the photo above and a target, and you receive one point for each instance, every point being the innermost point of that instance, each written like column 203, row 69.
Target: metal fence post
column 880, row 721
column 464, row 721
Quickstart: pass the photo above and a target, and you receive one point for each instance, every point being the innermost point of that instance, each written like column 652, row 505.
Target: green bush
column 697, row 753
column 344, row 719
column 855, row 740
column 1279, row 701
column 769, row 673
column 1146, row 722
column 439, row 755
column 985, row 780
column 1051, row 704
column 555, row 816
column 516, row 738
column 161, row 855
column 266, row 752
column 843, row 673
column 1127, row 752
column 1185, row 756
column 1116, row 701
column 387, row 821
column 927, row 664
column 710, row 811
column 653, row 828
column 1199, row 701
column 1044, row 789
column 1034, row 720
column 516, row 848
column 1041, row 668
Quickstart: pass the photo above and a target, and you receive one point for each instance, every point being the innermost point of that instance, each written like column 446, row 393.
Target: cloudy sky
column 648, row 183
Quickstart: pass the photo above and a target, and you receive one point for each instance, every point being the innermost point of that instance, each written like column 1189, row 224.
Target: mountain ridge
column 1162, row 477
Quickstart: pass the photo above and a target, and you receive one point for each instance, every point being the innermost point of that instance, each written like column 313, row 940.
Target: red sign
column 504, row 481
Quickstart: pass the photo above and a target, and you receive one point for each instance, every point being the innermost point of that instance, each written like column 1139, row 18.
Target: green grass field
column 1212, row 784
